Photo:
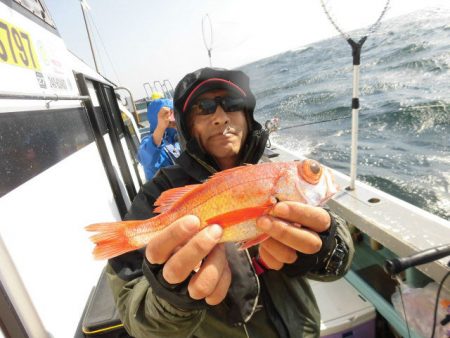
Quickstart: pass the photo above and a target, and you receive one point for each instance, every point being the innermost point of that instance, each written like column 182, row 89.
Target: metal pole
column 51, row 97
column 356, row 53
column 161, row 86
column 89, row 37
column 145, row 88
column 355, row 128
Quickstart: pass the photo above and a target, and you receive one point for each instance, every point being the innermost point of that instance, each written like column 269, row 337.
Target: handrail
column 132, row 101
column 169, row 91
column 51, row 97
column 151, row 89
column 168, row 81
column 160, row 85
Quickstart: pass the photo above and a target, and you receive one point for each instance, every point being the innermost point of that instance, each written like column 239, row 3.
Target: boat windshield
column 37, row 8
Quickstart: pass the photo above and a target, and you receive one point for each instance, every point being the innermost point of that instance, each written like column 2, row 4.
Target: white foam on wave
column 292, row 145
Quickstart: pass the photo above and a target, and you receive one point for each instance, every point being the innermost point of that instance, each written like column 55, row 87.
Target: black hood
column 206, row 79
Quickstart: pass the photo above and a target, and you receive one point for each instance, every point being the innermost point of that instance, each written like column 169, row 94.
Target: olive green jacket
column 254, row 300
column 273, row 304
column 146, row 315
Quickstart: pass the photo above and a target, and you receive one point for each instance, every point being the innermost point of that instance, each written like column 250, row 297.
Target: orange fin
column 169, row 197
column 253, row 241
column 224, row 173
column 111, row 240
column 240, row 215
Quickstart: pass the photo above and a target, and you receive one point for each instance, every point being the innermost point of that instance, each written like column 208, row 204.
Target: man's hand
column 292, row 226
column 182, row 247
column 163, row 123
column 163, row 117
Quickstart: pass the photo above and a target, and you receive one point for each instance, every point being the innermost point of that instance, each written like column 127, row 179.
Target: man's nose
column 220, row 116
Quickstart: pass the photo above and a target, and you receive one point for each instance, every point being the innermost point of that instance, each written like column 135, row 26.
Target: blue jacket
column 151, row 156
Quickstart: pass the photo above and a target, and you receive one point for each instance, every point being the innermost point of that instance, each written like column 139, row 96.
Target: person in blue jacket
column 161, row 147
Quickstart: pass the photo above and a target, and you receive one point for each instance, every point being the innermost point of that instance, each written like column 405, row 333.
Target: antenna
column 85, row 6
column 208, row 46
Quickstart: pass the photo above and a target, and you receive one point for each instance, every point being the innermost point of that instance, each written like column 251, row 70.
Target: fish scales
column 233, row 198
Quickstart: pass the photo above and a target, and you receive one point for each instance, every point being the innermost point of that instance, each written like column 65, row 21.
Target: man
column 184, row 284
column 161, row 147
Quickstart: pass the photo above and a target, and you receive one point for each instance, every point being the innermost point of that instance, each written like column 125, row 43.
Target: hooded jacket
column 151, row 156
column 273, row 304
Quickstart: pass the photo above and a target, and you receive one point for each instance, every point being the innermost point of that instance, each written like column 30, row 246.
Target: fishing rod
column 356, row 53
column 271, row 126
column 314, row 122
column 397, row 265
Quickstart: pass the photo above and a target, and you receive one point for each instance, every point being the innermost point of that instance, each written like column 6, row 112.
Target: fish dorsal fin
column 169, row 197
column 224, row 173
column 237, row 216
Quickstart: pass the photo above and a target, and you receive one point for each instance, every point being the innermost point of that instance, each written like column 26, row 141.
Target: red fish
column 232, row 198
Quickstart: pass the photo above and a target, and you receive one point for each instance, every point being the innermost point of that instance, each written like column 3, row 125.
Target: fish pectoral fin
column 169, row 197
column 253, row 241
column 240, row 215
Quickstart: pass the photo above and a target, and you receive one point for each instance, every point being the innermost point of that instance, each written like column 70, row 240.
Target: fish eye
column 311, row 171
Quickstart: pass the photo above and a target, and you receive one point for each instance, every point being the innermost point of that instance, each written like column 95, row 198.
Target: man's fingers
column 314, row 218
column 279, row 251
column 300, row 239
column 222, row 287
column 206, row 280
column 183, row 262
column 164, row 112
column 163, row 244
column 270, row 261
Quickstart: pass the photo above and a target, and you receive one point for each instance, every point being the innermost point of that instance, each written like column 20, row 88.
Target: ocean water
column 404, row 123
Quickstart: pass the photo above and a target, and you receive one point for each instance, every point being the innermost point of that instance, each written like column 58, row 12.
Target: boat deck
column 383, row 227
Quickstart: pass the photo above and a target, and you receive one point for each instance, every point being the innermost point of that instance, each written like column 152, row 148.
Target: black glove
column 175, row 294
column 305, row 262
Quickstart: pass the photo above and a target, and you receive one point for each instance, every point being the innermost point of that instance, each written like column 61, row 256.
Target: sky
column 138, row 41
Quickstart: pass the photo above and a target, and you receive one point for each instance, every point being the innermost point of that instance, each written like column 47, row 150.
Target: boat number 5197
column 16, row 47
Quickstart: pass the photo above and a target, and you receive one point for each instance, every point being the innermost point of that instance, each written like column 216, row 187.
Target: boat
column 68, row 159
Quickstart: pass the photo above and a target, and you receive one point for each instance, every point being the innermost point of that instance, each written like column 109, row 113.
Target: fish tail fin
column 111, row 239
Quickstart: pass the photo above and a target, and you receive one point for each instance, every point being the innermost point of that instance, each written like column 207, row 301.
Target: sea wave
column 404, row 117
column 423, row 65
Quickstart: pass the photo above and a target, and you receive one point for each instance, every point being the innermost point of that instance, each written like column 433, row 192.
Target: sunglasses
column 209, row 106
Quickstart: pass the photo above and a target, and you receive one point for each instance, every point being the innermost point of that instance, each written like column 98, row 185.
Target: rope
column 345, row 35
column 400, row 282
column 374, row 27
column 436, row 304
column 103, row 45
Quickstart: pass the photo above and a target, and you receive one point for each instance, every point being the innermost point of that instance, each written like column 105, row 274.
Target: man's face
column 221, row 134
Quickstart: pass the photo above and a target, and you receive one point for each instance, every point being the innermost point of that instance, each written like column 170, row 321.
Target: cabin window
column 33, row 141
column 38, row 9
